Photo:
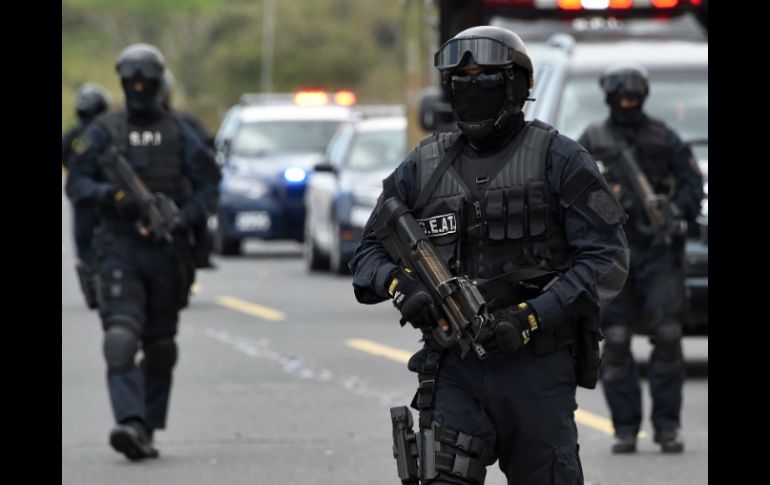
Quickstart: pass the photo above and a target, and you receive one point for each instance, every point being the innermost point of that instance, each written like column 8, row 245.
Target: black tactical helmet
column 90, row 101
column 144, row 59
column 629, row 79
column 488, row 46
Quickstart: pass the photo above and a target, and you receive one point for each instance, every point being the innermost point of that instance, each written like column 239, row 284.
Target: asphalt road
column 284, row 378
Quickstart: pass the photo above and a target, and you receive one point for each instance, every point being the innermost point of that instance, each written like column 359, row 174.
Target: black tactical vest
column 516, row 224
column 650, row 146
column 154, row 151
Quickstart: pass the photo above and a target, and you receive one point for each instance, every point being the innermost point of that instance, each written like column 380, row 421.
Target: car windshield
column 377, row 150
column 679, row 98
column 264, row 138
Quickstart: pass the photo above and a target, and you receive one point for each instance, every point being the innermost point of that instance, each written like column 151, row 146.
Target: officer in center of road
column 144, row 274
column 523, row 211
column 655, row 293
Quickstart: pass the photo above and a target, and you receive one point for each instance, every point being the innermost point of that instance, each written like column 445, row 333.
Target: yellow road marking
column 196, row 288
column 379, row 350
column 253, row 309
column 594, row 421
column 598, row 422
column 582, row 416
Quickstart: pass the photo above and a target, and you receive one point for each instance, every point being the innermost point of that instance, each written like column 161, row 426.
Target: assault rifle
column 459, row 298
column 160, row 212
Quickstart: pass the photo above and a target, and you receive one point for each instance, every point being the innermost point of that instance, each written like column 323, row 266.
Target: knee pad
column 617, row 345
column 616, row 358
column 667, row 353
column 120, row 342
column 160, row 356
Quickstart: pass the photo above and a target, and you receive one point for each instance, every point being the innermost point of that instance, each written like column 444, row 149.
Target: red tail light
column 344, row 98
column 311, row 98
column 664, row 3
column 620, row 4
column 569, row 4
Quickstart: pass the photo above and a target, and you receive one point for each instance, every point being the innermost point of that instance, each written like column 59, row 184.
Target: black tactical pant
column 520, row 404
column 85, row 220
column 654, row 296
column 146, row 283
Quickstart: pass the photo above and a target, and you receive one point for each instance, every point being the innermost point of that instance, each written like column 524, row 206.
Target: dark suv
column 568, row 96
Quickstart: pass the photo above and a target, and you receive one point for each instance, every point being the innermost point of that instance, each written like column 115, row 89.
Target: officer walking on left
column 144, row 281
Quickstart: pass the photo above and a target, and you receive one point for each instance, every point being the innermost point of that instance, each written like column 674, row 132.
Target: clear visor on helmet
column 626, row 83
column 148, row 70
column 485, row 51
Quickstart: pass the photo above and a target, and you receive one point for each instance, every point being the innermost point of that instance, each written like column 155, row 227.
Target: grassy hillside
column 214, row 48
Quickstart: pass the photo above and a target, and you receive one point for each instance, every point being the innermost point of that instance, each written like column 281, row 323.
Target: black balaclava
column 143, row 106
column 629, row 117
column 85, row 117
column 491, row 107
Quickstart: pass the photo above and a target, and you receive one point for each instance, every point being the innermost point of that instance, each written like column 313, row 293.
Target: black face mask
column 145, row 103
column 625, row 116
column 476, row 104
column 482, row 103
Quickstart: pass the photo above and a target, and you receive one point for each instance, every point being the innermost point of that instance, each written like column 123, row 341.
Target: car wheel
column 337, row 261
column 314, row 260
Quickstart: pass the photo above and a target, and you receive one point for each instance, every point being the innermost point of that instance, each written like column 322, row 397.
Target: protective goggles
column 487, row 81
column 626, row 83
column 485, row 51
column 148, row 70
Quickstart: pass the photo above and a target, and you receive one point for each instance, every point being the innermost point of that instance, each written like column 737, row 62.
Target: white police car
column 343, row 191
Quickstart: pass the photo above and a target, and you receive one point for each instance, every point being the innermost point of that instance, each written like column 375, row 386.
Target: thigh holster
column 436, row 447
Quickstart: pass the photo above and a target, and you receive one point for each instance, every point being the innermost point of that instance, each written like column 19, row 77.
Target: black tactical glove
column 511, row 330
column 123, row 202
column 412, row 299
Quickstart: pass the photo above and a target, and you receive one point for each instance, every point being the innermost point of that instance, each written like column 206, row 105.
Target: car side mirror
column 223, row 151
column 325, row 166
column 435, row 114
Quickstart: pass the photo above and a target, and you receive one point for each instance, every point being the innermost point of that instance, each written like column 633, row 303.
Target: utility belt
column 181, row 246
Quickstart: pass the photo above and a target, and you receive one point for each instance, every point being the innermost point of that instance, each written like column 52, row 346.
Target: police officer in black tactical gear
column 144, row 281
column 203, row 239
column 655, row 293
column 90, row 101
column 524, row 212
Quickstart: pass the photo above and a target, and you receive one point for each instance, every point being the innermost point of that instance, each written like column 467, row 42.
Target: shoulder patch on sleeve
column 81, row 144
column 605, row 206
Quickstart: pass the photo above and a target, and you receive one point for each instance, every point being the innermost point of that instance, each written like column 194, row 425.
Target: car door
column 324, row 185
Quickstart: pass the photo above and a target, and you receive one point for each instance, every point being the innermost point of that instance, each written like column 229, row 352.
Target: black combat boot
column 624, row 442
column 669, row 440
column 130, row 438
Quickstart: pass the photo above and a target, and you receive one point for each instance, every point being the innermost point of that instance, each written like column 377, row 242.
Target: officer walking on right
column 524, row 213
column 144, row 277
column 656, row 277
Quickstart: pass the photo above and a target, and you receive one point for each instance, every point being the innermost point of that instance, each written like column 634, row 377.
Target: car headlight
column 247, row 187
column 294, row 174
